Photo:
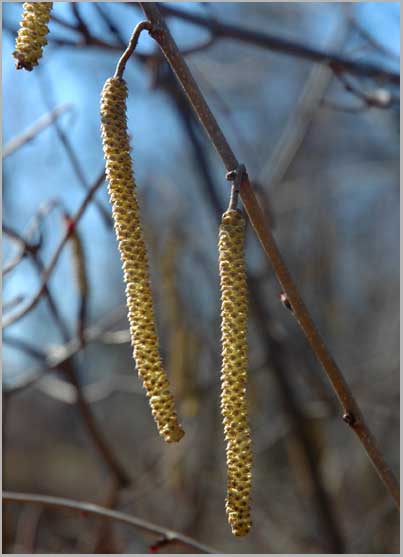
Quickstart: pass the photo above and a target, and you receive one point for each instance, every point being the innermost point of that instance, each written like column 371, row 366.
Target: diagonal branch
column 351, row 412
column 42, row 123
column 90, row 508
column 21, row 312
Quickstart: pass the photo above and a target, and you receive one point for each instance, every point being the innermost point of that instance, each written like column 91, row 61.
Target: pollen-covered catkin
column 126, row 216
column 32, row 34
column 234, row 309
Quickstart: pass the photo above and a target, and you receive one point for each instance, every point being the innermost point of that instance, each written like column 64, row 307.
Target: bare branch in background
column 90, row 508
column 42, row 123
column 276, row 43
column 300, row 118
column 8, row 320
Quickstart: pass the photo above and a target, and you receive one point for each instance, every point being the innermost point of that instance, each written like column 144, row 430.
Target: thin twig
column 90, row 508
column 9, row 320
column 351, row 411
column 142, row 26
column 27, row 529
column 301, row 117
column 286, row 46
column 378, row 98
column 67, row 367
column 13, row 302
column 42, row 123
column 70, row 151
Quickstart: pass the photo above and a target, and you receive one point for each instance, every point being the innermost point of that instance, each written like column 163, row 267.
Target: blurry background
column 325, row 164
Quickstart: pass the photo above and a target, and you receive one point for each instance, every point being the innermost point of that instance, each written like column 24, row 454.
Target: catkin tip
column 126, row 216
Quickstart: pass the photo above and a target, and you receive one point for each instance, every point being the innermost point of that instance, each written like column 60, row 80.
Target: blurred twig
column 377, row 98
column 300, row 119
column 90, row 508
column 70, row 151
column 32, row 250
column 21, row 312
column 42, row 123
column 27, row 529
column 369, row 38
column 220, row 29
column 351, row 412
column 67, row 367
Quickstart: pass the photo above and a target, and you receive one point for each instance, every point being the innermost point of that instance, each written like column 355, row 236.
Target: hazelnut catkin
column 126, row 216
column 234, row 308
column 32, row 34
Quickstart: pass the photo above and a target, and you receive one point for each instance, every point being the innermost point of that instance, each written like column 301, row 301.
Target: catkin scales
column 32, row 34
column 126, row 217
column 234, row 309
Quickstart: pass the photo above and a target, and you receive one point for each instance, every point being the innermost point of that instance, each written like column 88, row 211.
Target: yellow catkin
column 126, row 216
column 234, row 309
column 32, row 34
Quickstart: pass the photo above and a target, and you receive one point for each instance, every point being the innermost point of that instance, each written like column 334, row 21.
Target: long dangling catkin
column 32, row 34
column 126, row 216
column 234, row 308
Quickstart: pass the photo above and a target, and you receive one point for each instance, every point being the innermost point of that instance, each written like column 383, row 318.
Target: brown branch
column 286, row 46
column 9, row 320
column 31, row 250
column 25, row 243
column 350, row 407
column 101, row 443
column 90, row 508
column 24, row 248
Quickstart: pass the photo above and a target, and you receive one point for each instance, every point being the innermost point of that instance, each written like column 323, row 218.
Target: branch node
column 285, row 301
column 235, row 176
column 157, row 33
column 349, row 418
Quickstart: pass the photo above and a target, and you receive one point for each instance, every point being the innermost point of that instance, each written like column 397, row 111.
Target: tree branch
column 42, row 123
column 90, row 508
column 286, row 46
column 9, row 320
column 351, row 411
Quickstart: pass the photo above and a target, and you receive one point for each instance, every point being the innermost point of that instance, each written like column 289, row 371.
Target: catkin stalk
column 126, row 216
column 32, row 34
column 234, row 308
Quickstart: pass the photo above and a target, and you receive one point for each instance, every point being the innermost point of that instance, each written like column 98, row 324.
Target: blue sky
column 40, row 170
